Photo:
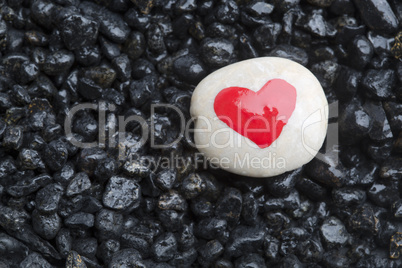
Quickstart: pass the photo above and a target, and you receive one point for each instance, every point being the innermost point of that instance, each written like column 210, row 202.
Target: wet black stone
column 290, row 239
column 86, row 247
column 393, row 110
column 75, row 260
column 78, row 185
column 247, row 49
column 316, row 24
column 141, row 68
column 171, row 219
column 360, row 51
column 33, row 241
column 210, row 228
column 69, row 206
column 347, row 33
column 189, row 69
column 186, row 238
column 91, row 205
column 20, row 95
column 109, row 223
column 15, row 114
column 13, row 137
column 47, row 226
column 380, row 129
column 382, row 194
column 290, row 52
column 328, row 170
column 29, row 185
column 63, row 242
column 192, row 186
column 164, row 247
column 250, row 209
column 217, row 52
column 109, row 49
column 80, row 220
column 103, row 76
column 47, row 199
column 277, row 221
column 311, row 189
column 326, row 72
column 86, row 126
column 347, row 83
column 121, row 194
column 250, row 260
column 137, row 20
column 88, row 55
column 56, row 155
column 172, row 200
column 138, row 243
column 381, row 44
column 391, row 169
column 122, row 65
column 310, row 251
column 210, row 252
column 36, row 38
column 155, row 39
column 266, row 35
column 227, row 12
column 378, row 15
column 30, row 159
column 378, row 84
column 111, row 25
column 35, row 260
column 244, row 240
column 78, row 31
column 42, row 12
column 282, row 185
column 5, row 101
column 107, row 248
column 363, row 220
column 354, row 123
column 333, row 233
column 166, row 179
column 12, row 250
column 271, row 248
column 186, row 258
column 229, row 206
column 395, row 245
column 142, row 90
column 348, row 196
column 335, row 259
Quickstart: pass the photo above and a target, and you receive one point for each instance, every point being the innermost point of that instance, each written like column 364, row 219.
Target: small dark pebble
column 244, row 240
column 378, row 15
column 217, row 52
column 78, row 31
column 121, row 194
column 164, row 247
column 74, row 260
column 334, row 233
column 47, row 226
column 78, row 185
column 47, row 199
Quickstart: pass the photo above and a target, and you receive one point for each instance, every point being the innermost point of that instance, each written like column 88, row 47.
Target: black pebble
column 378, row 15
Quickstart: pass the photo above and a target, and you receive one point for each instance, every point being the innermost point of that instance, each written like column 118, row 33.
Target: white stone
column 301, row 137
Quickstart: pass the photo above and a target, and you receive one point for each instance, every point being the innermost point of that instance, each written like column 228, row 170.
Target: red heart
column 259, row 116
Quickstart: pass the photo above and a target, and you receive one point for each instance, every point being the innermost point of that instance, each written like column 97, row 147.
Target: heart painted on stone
column 259, row 116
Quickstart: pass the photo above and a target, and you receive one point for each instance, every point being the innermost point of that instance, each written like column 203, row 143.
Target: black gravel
column 115, row 204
